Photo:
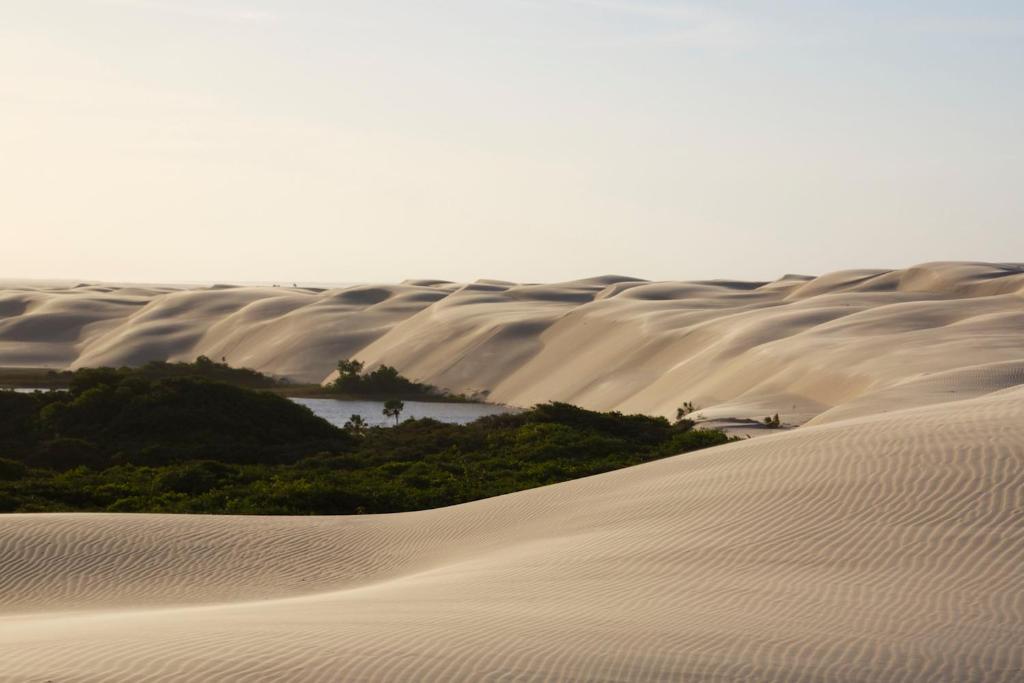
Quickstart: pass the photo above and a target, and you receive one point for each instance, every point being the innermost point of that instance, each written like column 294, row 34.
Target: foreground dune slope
column 875, row 548
column 799, row 346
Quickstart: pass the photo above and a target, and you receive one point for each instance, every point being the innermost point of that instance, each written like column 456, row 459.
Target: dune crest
column 800, row 346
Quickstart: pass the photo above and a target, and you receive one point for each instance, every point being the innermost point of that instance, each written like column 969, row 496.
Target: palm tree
column 393, row 408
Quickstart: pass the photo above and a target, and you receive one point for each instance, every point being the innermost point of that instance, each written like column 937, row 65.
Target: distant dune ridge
column 883, row 540
column 798, row 346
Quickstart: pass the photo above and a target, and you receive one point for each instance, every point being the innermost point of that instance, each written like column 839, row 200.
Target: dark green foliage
column 118, row 442
column 65, row 454
column 203, row 368
column 350, row 369
column 17, row 421
column 109, row 418
column 383, row 383
column 195, row 477
column 356, row 425
column 642, row 429
column 772, row 422
column 11, row 470
column 686, row 409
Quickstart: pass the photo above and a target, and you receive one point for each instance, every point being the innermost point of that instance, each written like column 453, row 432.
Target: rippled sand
column 883, row 540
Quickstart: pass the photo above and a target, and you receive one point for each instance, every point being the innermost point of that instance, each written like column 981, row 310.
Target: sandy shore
column 881, row 541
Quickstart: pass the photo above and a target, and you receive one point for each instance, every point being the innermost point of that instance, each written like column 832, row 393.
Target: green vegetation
column 109, row 417
column 772, row 422
column 686, row 409
column 356, row 425
column 203, row 368
column 119, row 441
column 384, row 383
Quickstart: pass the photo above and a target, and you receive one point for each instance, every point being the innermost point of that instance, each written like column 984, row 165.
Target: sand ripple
column 877, row 548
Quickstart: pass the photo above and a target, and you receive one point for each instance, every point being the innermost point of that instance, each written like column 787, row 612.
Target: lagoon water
column 337, row 412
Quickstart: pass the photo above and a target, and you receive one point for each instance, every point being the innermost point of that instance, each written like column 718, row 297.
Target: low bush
column 121, row 442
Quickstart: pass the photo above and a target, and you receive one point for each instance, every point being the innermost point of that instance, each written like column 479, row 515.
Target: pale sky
column 529, row 140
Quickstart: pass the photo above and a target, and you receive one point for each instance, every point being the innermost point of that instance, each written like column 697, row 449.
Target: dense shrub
column 64, row 454
column 122, row 442
column 17, row 420
column 195, row 477
column 202, row 368
column 112, row 418
column 383, row 383
column 11, row 470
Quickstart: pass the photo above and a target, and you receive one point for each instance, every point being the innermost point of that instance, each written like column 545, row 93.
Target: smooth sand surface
column 883, row 540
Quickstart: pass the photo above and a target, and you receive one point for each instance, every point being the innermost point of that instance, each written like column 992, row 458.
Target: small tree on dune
column 687, row 408
column 393, row 408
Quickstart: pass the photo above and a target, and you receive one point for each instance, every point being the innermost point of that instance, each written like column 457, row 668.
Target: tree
column 356, row 425
column 393, row 408
column 385, row 381
column 350, row 379
column 772, row 422
column 350, row 368
column 687, row 408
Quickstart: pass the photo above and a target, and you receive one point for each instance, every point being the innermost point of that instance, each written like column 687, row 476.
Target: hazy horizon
column 263, row 141
column 303, row 283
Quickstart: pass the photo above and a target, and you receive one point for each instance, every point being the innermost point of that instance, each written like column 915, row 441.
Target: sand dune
column 799, row 346
column 883, row 540
column 877, row 548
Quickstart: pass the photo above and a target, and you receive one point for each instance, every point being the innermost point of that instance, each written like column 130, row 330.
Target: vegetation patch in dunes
column 203, row 367
column 384, row 383
column 117, row 441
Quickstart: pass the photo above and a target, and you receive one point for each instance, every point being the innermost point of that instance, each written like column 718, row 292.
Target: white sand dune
column 883, row 540
column 880, row 548
column 799, row 346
